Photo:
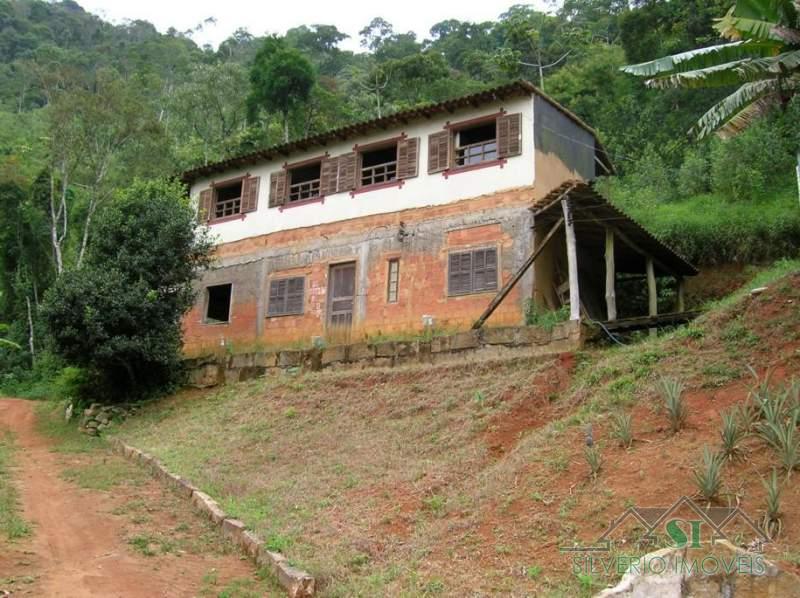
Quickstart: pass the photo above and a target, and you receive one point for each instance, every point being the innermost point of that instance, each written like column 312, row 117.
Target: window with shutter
column 347, row 172
column 475, row 144
column 329, row 176
column 304, row 182
column 378, row 165
column 509, row 135
column 250, row 194
column 277, row 189
column 286, row 296
column 204, row 205
column 407, row 158
column 439, row 151
column 227, row 199
column 473, row 271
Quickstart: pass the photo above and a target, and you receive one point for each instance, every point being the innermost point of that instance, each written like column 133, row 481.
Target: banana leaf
column 733, row 113
column 704, row 58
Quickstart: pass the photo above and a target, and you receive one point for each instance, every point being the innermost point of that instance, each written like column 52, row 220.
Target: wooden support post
column 611, row 273
column 506, row 289
column 652, row 291
column 681, row 299
column 572, row 263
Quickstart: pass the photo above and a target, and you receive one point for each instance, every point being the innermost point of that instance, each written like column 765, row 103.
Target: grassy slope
column 458, row 479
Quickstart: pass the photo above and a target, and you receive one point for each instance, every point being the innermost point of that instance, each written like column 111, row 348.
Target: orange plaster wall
column 422, row 282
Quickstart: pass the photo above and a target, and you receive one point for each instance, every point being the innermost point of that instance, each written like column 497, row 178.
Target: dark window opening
column 228, row 200
column 476, row 144
column 286, row 296
column 472, row 272
column 304, row 182
column 218, row 307
column 394, row 281
column 379, row 166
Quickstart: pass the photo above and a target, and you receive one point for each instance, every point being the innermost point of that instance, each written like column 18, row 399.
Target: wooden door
column 341, row 296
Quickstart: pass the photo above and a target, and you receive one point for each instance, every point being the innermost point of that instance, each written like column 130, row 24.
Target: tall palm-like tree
column 761, row 56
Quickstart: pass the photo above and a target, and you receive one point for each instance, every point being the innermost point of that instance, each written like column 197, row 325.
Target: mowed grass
column 12, row 526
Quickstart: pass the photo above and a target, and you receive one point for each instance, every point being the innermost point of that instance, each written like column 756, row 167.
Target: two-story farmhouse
column 389, row 225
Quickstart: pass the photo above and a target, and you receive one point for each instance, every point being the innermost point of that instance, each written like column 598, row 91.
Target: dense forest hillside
column 86, row 107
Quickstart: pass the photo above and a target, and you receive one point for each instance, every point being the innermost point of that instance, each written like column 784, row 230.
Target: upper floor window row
column 376, row 165
column 465, row 145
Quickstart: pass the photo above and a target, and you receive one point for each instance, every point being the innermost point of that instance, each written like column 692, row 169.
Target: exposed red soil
column 78, row 548
column 656, row 471
column 532, row 407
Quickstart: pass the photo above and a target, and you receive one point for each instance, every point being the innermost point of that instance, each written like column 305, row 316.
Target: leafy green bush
column 118, row 318
column 749, row 165
column 694, row 173
column 545, row 318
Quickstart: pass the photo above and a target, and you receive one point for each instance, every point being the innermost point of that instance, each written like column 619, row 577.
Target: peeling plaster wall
column 422, row 247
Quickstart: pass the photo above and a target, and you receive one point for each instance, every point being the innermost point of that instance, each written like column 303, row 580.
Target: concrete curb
column 297, row 583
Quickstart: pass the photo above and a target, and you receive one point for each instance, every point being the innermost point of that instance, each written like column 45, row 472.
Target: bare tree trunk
column 286, row 127
column 55, row 217
column 85, row 238
column 30, row 329
column 798, row 174
column 95, row 200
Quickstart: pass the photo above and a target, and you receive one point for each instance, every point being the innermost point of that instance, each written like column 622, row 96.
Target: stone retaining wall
column 486, row 343
column 297, row 583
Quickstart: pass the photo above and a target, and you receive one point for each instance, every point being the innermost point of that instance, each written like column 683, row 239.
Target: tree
column 374, row 34
column 281, row 80
column 119, row 317
column 212, row 107
column 112, row 117
column 762, row 58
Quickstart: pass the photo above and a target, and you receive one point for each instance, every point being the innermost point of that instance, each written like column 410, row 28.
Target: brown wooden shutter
column 347, row 172
column 509, row 135
column 277, row 189
column 484, row 270
column 329, row 176
column 250, row 194
column 204, row 206
column 439, row 151
column 295, row 292
column 277, row 297
column 407, row 158
column 459, row 273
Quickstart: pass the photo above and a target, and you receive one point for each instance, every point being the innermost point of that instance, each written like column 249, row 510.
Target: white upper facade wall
column 420, row 191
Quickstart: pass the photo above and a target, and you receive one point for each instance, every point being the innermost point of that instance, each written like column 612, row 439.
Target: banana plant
column 761, row 56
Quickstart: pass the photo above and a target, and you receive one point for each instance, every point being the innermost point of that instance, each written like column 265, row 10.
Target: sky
column 262, row 17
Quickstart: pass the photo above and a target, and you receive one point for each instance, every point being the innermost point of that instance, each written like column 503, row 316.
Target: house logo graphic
column 682, row 531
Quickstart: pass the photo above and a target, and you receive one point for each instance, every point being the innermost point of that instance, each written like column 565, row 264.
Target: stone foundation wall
column 488, row 343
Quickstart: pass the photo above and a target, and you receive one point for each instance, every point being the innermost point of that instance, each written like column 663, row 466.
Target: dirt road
column 81, row 540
